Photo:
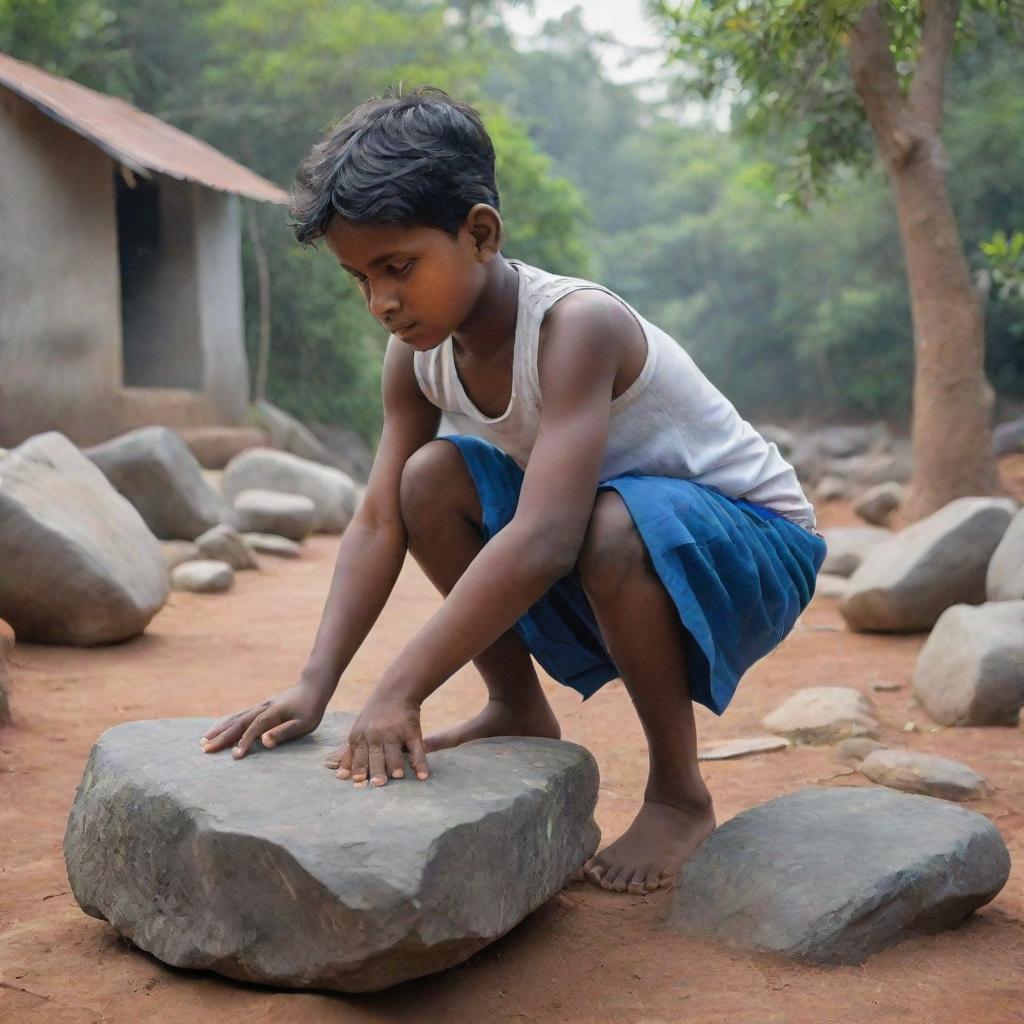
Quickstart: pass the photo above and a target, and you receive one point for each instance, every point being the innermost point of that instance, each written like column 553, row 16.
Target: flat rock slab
column 914, row 772
column 269, row 544
column 727, row 749
column 906, row 583
column 848, row 546
column 270, row 869
column 825, row 875
column 286, row 515
column 971, row 669
column 203, row 576
column 823, row 714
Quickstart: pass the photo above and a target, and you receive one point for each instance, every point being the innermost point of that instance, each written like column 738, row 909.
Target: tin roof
column 141, row 142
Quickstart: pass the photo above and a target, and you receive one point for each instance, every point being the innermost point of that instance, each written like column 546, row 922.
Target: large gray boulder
column 80, row 566
column 1004, row 579
column 848, row 546
column 271, row 869
column 905, row 584
column 153, row 468
column 291, row 435
column 332, row 492
column 834, row 875
column 971, row 669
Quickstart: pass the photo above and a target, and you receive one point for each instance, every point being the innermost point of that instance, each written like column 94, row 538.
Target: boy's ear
column 486, row 228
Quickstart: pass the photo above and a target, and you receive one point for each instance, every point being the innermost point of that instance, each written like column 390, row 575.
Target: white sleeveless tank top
column 671, row 421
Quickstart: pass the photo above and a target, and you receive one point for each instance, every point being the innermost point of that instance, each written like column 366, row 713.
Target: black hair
column 418, row 158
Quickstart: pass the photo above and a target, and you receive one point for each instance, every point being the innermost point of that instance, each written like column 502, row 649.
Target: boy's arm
column 370, row 557
column 578, row 363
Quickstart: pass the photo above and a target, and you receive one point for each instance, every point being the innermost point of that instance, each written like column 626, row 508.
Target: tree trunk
column 951, row 432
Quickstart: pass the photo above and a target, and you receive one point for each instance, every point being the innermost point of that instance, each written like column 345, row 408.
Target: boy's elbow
column 554, row 553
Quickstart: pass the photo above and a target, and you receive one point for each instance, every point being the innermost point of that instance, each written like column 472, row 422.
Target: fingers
column 227, row 731
column 344, row 762
column 284, row 733
column 360, row 760
column 394, row 762
column 378, row 771
column 259, row 725
column 418, row 758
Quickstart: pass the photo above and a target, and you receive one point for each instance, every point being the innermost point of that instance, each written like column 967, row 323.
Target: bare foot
column 649, row 854
column 500, row 719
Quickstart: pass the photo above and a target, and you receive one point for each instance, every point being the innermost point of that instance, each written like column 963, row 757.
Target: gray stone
column 834, row 875
column 874, row 468
column 270, row 869
column 332, row 492
column 727, row 749
column 1008, row 438
column 1004, row 578
column 823, row 714
column 177, row 551
column 225, row 544
column 905, row 584
column 856, row 748
column 205, row 576
column 350, row 452
column 781, row 437
column 971, row 669
column 153, row 468
column 840, row 442
column 215, row 447
column 268, row 544
column 914, row 772
column 80, row 567
column 287, row 515
column 290, row 435
column 848, row 546
column 806, row 458
column 829, row 585
column 831, row 488
column 877, row 504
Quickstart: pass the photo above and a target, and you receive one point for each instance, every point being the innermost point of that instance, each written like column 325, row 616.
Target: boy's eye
column 397, row 270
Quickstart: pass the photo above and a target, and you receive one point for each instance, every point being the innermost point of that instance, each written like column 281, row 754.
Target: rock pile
column 270, row 869
column 80, row 565
column 822, row 875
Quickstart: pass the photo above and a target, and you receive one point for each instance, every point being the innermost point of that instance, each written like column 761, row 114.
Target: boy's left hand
column 387, row 727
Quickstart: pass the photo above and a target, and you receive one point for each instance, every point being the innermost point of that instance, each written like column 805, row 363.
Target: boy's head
column 402, row 191
column 418, row 159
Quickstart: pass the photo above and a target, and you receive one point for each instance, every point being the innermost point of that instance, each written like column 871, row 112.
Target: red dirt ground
column 586, row 955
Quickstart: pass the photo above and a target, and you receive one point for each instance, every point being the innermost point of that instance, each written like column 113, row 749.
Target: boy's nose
column 384, row 307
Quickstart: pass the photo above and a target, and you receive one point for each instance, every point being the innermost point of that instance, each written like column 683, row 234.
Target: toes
column 637, row 884
column 608, row 878
column 594, row 871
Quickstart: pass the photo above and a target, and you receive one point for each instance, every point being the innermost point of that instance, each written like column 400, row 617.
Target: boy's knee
column 430, row 475
column 612, row 549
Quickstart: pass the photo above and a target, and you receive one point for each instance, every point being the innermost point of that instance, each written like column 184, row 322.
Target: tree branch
column 937, row 36
column 878, row 86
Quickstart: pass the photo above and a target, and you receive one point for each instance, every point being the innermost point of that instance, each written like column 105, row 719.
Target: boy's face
column 421, row 283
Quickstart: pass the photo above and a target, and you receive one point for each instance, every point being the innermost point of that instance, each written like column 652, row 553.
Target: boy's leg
column 641, row 629
column 443, row 518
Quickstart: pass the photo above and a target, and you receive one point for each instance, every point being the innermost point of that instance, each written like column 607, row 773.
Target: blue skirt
column 738, row 573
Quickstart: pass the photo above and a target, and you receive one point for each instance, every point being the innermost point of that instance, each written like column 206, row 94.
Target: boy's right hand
column 291, row 713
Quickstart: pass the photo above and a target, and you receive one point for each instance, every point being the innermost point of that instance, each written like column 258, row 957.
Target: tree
column 830, row 74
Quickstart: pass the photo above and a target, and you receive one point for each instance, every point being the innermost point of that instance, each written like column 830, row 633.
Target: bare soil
column 586, row 955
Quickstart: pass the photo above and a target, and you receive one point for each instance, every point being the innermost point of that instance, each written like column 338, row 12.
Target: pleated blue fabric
column 739, row 575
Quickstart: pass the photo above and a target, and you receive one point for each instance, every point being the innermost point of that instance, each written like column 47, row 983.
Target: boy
column 629, row 524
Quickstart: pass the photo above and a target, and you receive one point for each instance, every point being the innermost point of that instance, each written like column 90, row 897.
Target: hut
column 120, row 266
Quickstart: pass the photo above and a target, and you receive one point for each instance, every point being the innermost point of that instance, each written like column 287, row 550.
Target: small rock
column 225, row 544
column 905, row 584
column 203, row 577
column 268, row 544
column 726, row 749
column 286, row 515
column 971, row 669
column 926, row 774
column 831, row 488
column 823, row 714
column 1004, row 579
column 830, row 585
column 271, row 870
column 153, row 468
column 80, row 567
column 834, row 875
column 848, row 546
column 781, row 437
column 215, row 447
column 886, row 687
column 177, row 551
column 856, row 748
column 840, row 442
column 877, row 504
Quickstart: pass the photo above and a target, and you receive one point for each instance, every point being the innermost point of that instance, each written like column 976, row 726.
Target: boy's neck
column 491, row 323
